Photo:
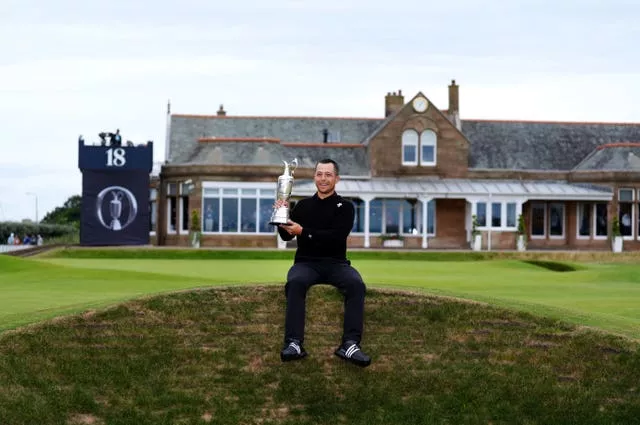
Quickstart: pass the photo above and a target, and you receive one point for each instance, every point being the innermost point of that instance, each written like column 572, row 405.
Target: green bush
column 47, row 231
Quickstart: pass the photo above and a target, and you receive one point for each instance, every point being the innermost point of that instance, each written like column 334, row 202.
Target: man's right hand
column 280, row 203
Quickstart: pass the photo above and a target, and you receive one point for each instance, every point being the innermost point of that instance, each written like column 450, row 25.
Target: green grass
column 604, row 296
column 211, row 357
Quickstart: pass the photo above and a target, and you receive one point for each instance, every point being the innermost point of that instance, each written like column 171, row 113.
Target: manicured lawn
column 599, row 295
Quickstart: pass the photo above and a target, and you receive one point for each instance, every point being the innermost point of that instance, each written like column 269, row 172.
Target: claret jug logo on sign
column 119, row 205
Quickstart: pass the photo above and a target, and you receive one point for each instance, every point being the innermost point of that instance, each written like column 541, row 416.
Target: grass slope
column 600, row 295
column 211, row 357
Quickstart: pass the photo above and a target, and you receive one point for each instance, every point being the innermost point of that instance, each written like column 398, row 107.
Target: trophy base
column 280, row 216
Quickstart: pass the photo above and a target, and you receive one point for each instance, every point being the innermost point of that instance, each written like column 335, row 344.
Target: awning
column 461, row 189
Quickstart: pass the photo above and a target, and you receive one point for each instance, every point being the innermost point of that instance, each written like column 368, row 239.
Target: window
column 626, row 211
column 511, row 214
column 585, row 223
column 428, row 141
column 402, row 216
column 424, row 145
column 232, row 209
column 496, row 214
column 172, row 207
column 556, row 219
column 481, row 214
column 153, row 210
column 410, row 147
column 592, row 220
column 538, row 219
column 602, row 220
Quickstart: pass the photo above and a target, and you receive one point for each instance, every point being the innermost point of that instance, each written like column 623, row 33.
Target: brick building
column 418, row 171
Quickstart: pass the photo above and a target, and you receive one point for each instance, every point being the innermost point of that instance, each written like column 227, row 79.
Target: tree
column 68, row 213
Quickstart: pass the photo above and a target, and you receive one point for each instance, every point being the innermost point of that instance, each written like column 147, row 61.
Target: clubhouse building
column 419, row 176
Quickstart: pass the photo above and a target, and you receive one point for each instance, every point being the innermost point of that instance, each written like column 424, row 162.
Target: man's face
column 326, row 179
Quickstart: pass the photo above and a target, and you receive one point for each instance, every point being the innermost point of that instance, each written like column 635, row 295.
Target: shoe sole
column 292, row 358
column 353, row 361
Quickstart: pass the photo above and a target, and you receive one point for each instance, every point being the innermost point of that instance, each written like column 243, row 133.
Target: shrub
column 47, row 231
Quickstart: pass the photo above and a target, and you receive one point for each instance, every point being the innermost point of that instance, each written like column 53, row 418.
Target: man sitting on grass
column 322, row 224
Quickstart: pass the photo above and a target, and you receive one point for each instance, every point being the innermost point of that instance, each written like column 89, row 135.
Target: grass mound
column 211, row 356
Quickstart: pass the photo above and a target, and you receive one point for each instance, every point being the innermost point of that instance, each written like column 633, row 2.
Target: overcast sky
column 71, row 67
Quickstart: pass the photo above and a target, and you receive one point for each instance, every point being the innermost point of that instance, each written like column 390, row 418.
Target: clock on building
column 420, row 104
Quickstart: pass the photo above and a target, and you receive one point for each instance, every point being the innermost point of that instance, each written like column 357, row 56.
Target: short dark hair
column 330, row 161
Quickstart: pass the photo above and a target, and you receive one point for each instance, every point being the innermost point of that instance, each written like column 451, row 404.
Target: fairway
column 598, row 295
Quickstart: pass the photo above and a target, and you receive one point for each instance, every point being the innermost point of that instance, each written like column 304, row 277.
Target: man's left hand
column 292, row 228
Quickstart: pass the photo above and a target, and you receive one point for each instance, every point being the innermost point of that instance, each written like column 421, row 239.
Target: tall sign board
column 115, row 194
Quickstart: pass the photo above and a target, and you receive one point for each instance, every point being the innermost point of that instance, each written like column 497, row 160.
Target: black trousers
column 303, row 276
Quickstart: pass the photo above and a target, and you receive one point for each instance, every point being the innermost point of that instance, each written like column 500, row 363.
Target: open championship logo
column 118, row 199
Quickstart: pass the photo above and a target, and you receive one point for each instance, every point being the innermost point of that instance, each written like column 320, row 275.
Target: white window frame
column 503, row 213
column 434, row 144
column 633, row 211
column 415, row 144
column 176, row 196
column 258, row 186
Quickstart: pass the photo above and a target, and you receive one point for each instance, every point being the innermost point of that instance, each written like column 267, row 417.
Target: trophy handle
column 293, row 164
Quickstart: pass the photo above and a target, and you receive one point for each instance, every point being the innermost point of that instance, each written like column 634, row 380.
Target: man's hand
column 280, row 203
column 292, row 228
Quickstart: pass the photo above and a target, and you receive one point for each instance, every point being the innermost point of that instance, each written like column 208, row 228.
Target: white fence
column 9, row 248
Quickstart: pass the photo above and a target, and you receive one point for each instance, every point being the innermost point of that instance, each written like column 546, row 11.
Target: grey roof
column 539, row 145
column 353, row 161
column 615, row 157
column 493, row 144
column 187, row 129
column 461, row 188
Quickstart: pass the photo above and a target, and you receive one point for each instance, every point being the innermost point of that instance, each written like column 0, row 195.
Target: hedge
column 47, row 231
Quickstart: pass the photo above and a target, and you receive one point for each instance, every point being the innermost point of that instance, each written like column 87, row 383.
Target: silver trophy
column 283, row 193
column 115, row 209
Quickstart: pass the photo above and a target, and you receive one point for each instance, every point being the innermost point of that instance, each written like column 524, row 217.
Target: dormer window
column 428, row 142
column 410, row 147
column 419, row 148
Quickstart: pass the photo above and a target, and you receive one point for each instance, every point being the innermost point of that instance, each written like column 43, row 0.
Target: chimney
column 454, row 105
column 393, row 102
column 221, row 111
column 325, row 135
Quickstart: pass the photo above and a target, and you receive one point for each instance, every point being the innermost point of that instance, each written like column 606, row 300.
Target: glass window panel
column 602, row 227
column 538, row 215
column 358, row 219
column 266, row 209
column 496, row 214
column 185, row 213
column 153, row 194
column 185, row 189
column 211, row 192
column 409, row 154
column 211, row 216
column 153, row 216
column 248, row 216
column 392, row 216
column 375, row 216
column 625, row 214
column 584, row 219
column 428, row 154
column 410, row 217
column 229, row 191
column 172, row 189
column 173, row 213
column 249, row 191
column 431, row 217
column 481, row 214
column 556, row 219
column 625, row 195
column 229, row 215
column 511, row 214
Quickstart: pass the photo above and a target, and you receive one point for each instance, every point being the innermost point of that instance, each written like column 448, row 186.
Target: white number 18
column 115, row 157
